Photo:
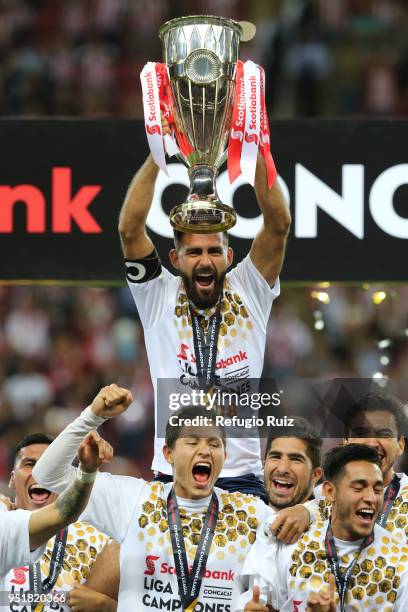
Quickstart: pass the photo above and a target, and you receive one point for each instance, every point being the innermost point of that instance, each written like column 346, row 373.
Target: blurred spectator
column 84, row 58
column 90, row 338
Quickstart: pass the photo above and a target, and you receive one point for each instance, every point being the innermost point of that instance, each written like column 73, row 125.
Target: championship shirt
column 288, row 574
column 82, row 544
column 396, row 521
column 164, row 310
column 134, row 513
column 14, row 545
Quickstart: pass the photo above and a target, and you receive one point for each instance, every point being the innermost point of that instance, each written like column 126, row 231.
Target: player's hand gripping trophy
column 201, row 90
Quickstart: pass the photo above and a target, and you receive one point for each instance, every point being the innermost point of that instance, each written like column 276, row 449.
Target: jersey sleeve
column 113, row 498
column 112, row 504
column 153, row 296
column 246, row 279
column 266, row 565
column 15, row 540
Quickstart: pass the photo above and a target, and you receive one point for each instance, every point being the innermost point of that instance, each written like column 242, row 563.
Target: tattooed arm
column 70, row 504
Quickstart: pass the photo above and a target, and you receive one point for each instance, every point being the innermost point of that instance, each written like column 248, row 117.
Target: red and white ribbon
column 151, row 106
column 265, row 139
column 252, row 81
column 249, row 125
column 237, row 125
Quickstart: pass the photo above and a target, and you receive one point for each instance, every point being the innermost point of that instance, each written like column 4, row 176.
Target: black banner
column 62, row 183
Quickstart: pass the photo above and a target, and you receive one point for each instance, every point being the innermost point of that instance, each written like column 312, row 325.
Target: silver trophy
column 201, row 54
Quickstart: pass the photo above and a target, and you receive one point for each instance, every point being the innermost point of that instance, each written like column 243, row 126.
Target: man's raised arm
column 54, row 470
column 268, row 248
column 136, row 244
column 46, row 522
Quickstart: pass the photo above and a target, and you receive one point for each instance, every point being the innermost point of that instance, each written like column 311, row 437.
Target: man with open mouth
column 292, row 464
column 206, row 324
column 78, row 545
column 347, row 562
column 378, row 420
column 23, row 532
column 182, row 543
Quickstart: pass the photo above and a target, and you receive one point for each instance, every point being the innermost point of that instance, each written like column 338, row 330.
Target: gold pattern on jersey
column 376, row 577
column 84, row 543
column 234, row 317
column 235, row 529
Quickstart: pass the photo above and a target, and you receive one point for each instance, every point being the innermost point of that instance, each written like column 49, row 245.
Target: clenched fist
column 111, row 401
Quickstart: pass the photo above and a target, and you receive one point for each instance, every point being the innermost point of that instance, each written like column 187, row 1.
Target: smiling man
column 378, row 420
column 181, row 542
column 292, row 465
column 76, row 547
column 22, row 531
column 343, row 563
column 206, row 310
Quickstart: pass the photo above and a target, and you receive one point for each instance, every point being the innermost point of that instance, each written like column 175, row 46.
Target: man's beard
column 209, row 300
column 299, row 498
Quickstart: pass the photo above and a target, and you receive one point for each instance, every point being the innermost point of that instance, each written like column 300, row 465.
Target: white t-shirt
column 133, row 512
column 288, row 574
column 84, row 543
column 14, row 546
column 163, row 309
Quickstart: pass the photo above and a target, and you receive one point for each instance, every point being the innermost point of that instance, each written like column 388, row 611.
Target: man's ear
column 230, row 256
column 317, row 474
column 12, row 481
column 174, row 258
column 329, row 491
column 168, row 455
column 401, row 446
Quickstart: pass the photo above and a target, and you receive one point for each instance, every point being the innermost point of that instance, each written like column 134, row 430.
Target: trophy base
column 202, row 217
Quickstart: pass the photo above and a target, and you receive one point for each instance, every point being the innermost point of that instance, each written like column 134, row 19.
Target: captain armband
column 143, row 270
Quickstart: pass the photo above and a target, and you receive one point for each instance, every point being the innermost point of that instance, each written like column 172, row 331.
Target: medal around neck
column 200, row 89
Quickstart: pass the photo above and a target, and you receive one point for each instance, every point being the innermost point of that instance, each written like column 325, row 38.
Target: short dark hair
column 373, row 402
column 336, row 459
column 36, row 438
column 303, row 430
column 178, row 237
column 174, row 432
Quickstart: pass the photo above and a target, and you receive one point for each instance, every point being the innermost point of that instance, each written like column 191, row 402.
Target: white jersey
column 163, row 309
column 134, row 513
column 14, row 546
column 84, row 543
column 397, row 520
column 288, row 574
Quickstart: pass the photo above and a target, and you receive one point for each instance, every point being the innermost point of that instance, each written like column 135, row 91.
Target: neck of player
column 181, row 491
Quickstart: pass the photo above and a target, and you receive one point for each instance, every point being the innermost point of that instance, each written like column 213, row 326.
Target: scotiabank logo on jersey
column 165, row 568
column 185, row 355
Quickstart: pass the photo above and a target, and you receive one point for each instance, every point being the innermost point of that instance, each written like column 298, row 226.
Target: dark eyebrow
column 296, row 456
column 364, row 483
column 193, row 250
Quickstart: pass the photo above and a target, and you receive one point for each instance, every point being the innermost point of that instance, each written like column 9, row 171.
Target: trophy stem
column 202, row 183
column 202, row 212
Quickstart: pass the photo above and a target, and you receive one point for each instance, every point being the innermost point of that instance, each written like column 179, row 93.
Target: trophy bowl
column 201, row 54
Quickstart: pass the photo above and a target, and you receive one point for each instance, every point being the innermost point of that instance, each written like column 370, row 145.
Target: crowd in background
column 322, row 57
column 59, row 345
